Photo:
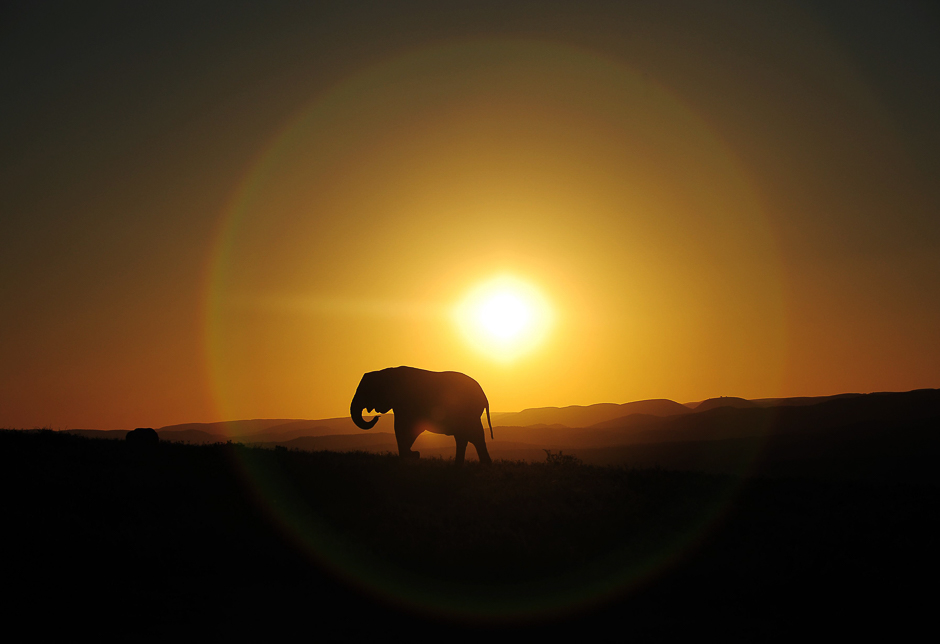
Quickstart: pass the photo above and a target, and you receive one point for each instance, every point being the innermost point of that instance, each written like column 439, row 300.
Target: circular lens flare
column 339, row 124
column 504, row 318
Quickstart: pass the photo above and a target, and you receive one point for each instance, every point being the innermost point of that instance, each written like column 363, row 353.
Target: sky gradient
column 221, row 211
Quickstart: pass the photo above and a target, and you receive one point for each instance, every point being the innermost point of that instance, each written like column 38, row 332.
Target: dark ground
column 101, row 537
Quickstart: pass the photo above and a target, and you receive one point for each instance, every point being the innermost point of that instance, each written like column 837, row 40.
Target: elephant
column 445, row 402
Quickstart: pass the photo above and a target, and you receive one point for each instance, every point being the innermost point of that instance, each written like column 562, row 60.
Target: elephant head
column 372, row 395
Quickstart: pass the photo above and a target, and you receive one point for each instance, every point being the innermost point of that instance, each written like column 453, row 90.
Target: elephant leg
column 479, row 442
column 461, row 449
column 406, row 434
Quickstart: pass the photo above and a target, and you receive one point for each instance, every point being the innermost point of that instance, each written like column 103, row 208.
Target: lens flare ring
column 504, row 319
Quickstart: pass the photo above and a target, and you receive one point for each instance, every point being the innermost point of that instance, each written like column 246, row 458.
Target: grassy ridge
column 183, row 526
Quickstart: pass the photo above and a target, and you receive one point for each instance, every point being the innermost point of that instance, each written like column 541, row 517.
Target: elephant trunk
column 355, row 410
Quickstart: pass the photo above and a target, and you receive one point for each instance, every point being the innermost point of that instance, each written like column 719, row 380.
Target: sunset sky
column 216, row 211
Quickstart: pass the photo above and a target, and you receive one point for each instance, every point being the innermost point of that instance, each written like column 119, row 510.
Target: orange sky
column 239, row 221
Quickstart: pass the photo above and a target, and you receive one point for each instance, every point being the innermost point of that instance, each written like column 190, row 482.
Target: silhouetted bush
column 142, row 437
column 561, row 458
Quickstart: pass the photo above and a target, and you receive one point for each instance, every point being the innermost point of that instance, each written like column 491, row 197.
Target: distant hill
column 862, row 435
column 261, row 430
column 732, row 421
column 323, row 427
column 801, row 401
column 247, row 431
column 230, row 428
column 286, row 430
column 585, row 416
column 193, row 436
column 721, row 434
column 724, row 401
column 731, row 401
column 885, row 436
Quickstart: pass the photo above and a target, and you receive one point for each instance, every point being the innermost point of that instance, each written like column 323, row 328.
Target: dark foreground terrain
column 100, row 535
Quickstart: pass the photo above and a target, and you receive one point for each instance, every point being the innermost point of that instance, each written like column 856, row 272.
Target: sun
column 504, row 317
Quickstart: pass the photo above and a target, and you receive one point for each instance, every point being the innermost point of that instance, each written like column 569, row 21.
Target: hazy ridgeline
column 230, row 536
column 882, row 436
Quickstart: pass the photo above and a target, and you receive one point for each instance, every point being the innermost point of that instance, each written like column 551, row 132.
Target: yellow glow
column 504, row 318
column 621, row 250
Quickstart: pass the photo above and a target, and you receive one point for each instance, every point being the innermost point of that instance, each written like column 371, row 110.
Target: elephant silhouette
column 446, row 402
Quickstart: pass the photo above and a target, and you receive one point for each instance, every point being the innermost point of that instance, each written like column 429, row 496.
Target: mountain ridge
column 724, row 419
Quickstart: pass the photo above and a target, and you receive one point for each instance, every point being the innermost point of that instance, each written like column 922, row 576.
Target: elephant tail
column 488, row 419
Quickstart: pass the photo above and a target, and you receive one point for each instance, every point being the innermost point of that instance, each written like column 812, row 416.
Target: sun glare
column 504, row 318
column 505, row 315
